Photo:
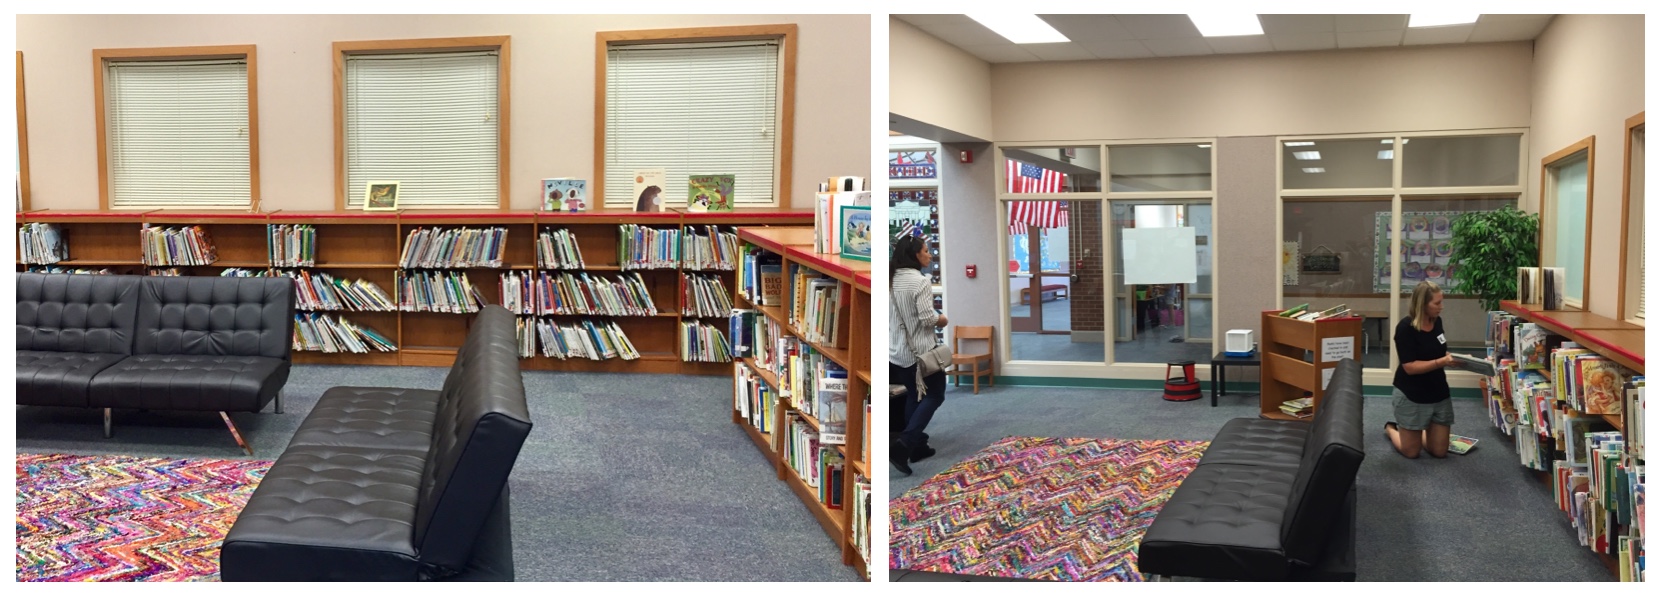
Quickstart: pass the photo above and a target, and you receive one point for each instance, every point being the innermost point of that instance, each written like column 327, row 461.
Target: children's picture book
column 1530, row 346
column 856, row 232
column 1461, row 444
column 711, row 193
column 1474, row 365
column 564, row 195
column 648, row 189
column 1604, row 385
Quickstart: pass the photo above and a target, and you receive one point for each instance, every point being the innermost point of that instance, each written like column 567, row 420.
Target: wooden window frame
column 338, row 60
column 22, row 140
column 1620, row 308
column 1589, row 146
column 786, row 34
column 102, row 56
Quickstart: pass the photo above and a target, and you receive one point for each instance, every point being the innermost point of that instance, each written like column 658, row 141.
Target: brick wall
column 1087, row 291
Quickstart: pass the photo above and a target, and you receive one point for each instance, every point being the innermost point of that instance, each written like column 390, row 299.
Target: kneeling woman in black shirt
column 1422, row 401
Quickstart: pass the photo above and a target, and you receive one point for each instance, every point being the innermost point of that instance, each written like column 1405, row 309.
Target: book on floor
column 1462, row 444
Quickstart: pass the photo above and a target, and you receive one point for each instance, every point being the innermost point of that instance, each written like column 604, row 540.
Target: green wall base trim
column 1133, row 384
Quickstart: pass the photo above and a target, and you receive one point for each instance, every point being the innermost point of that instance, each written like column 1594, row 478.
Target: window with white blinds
column 427, row 120
column 693, row 108
column 177, row 133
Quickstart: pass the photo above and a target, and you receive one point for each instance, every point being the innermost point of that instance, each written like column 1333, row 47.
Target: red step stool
column 1184, row 388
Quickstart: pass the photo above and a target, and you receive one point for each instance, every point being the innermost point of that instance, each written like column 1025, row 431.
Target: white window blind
column 708, row 108
column 177, row 133
column 426, row 120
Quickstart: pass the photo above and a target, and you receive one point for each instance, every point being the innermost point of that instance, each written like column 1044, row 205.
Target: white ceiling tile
column 1119, row 49
column 1499, row 18
column 1239, row 44
column 963, row 36
column 924, row 20
column 1001, row 53
column 1501, row 30
column 1088, row 28
column 1359, row 23
column 1297, row 24
column 1179, row 47
column 1312, row 41
column 1368, row 39
column 1060, row 51
column 1159, row 27
column 1446, row 34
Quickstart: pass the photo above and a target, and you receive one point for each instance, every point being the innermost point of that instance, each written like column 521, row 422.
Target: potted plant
column 1488, row 247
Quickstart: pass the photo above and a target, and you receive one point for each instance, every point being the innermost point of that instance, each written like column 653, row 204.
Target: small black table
column 1217, row 372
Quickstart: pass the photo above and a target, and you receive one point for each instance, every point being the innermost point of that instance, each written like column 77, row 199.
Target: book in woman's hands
column 1474, row 365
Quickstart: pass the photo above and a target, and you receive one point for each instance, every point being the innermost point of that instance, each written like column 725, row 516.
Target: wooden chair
column 985, row 333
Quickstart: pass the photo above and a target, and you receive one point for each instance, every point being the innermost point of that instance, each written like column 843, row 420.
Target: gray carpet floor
column 1475, row 517
column 620, row 480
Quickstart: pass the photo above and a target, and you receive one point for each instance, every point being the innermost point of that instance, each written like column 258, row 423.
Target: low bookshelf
column 1520, row 401
column 765, row 408
column 1295, row 361
column 368, row 246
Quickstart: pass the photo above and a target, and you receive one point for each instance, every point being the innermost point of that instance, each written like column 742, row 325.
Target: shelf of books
column 799, row 325
column 1569, row 390
column 596, row 291
column 1299, row 351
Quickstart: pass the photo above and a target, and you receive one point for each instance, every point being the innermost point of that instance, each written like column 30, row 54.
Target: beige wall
column 552, row 84
column 1376, row 90
column 1587, row 80
column 938, row 84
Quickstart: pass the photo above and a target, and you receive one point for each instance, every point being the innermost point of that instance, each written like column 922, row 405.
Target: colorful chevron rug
column 1061, row 509
column 112, row 518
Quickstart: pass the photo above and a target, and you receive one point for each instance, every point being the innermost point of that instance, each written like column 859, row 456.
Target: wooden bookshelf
column 793, row 245
column 368, row 245
column 1286, row 371
column 1619, row 341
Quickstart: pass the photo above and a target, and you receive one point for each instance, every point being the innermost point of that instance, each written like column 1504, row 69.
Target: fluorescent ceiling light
column 1020, row 29
column 1388, row 141
column 1439, row 19
column 1314, row 170
column 1218, row 24
column 1308, row 155
column 1203, row 146
column 1298, row 143
column 1385, row 154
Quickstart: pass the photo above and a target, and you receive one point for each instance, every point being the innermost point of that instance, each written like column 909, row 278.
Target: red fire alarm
column 971, row 271
column 966, row 156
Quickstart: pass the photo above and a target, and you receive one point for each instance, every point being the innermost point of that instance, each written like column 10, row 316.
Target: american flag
column 1027, row 178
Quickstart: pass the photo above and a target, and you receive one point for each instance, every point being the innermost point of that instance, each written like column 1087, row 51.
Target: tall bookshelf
column 1621, row 342
column 368, row 245
column 794, row 246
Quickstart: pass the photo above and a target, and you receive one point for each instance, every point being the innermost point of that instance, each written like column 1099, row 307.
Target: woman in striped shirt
column 913, row 327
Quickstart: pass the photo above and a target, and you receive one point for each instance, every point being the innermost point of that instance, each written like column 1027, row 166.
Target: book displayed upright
column 711, row 193
column 648, row 189
column 564, row 195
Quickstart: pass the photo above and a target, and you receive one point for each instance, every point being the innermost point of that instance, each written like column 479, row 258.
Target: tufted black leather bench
column 162, row 343
column 1270, row 500
column 395, row 484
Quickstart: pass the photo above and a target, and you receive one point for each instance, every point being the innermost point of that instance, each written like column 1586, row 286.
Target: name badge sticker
column 1441, row 338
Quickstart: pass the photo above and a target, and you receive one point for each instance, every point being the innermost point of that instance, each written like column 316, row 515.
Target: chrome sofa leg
column 278, row 403
column 106, row 422
column 236, row 434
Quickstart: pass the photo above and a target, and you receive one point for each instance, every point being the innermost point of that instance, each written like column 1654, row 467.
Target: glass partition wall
column 1363, row 220
column 1069, row 295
